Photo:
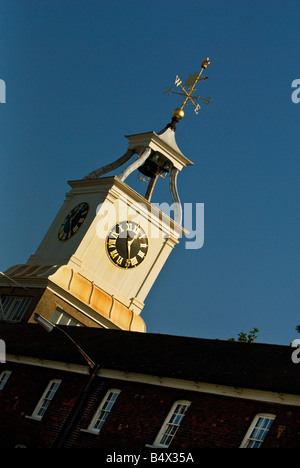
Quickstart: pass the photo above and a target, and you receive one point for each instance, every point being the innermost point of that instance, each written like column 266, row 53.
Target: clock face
column 127, row 244
column 73, row 221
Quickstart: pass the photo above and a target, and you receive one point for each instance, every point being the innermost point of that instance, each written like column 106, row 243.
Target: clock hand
column 129, row 242
column 71, row 220
column 128, row 251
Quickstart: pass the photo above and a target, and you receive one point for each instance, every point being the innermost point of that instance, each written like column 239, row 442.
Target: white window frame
column 60, row 316
column 171, row 424
column 250, row 434
column 4, row 376
column 103, row 411
column 46, row 399
column 13, row 308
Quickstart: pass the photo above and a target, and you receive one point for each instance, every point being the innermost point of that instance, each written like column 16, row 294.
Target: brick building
column 149, row 391
column 90, row 277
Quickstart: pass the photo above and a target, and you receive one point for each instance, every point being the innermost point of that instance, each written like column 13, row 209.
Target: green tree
column 250, row 338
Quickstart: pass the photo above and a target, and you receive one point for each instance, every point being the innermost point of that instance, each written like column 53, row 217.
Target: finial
column 187, row 91
column 178, row 114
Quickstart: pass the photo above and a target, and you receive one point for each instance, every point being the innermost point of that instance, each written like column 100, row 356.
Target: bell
column 150, row 168
column 155, row 165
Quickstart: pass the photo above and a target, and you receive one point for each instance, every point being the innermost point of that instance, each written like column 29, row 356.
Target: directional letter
column 178, row 81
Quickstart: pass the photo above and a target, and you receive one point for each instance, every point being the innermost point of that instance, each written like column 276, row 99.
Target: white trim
column 252, row 426
column 167, row 422
column 95, row 418
column 42, row 400
column 201, row 387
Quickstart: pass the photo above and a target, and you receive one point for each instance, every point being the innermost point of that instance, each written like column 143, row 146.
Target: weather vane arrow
column 188, row 89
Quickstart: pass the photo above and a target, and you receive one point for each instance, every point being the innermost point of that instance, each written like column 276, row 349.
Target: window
column 257, row 431
column 103, row 410
column 46, row 399
column 4, row 376
column 13, row 307
column 171, row 424
column 61, row 318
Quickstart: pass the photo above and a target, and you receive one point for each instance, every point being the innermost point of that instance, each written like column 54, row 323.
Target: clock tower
column 107, row 244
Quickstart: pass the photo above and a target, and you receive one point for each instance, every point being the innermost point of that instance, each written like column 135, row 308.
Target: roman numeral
column 111, row 243
column 119, row 260
column 114, row 234
column 134, row 261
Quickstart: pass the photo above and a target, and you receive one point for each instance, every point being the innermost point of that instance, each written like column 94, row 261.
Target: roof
column 245, row 365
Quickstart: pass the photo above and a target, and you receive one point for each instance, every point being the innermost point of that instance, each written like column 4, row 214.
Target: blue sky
column 82, row 74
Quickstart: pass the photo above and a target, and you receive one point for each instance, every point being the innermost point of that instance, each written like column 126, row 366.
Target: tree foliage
column 247, row 338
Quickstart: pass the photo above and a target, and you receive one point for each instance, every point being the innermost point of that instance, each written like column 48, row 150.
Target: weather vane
column 188, row 89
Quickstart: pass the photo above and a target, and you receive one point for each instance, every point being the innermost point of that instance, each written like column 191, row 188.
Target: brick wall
column 212, row 421
column 19, row 398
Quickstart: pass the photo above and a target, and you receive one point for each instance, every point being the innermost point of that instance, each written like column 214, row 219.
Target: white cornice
column 199, row 387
